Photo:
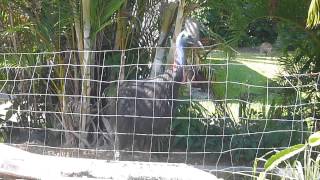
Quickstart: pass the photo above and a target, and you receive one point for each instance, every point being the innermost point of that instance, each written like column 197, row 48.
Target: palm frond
column 314, row 14
column 101, row 12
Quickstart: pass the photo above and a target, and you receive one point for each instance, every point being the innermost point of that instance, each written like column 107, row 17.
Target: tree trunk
column 67, row 122
column 169, row 11
column 79, row 42
column 85, row 108
column 121, row 38
column 272, row 7
column 177, row 30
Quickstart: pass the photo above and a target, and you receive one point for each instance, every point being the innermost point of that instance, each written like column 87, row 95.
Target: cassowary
column 143, row 110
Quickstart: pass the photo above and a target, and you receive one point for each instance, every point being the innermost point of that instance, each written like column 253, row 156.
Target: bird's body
column 144, row 109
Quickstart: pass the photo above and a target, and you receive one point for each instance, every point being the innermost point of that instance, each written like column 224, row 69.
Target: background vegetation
column 236, row 119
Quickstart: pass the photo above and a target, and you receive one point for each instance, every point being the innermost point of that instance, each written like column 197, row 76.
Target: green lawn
column 248, row 75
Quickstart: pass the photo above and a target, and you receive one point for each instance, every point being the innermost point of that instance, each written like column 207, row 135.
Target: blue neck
column 180, row 55
column 179, row 61
column 180, row 58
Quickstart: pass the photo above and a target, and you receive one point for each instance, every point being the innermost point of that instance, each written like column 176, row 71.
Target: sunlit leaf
column 283, row 155
column 314, row 139
column 262, row 176
column 313, row 14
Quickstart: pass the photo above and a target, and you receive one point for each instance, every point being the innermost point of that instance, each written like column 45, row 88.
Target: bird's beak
column 198, row 44
column 194, row 42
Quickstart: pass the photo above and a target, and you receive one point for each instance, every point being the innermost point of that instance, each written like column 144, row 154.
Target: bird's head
column 185, row 39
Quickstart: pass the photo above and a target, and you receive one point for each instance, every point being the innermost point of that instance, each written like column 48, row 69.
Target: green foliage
column 259, row 31
column 193, row 126
column 314, row 139
column 283, row 155
column 250, row 22
column 309, row 169
column 241, row 23
column 285, row 9
column 242, row 137
column 313, row 14
column 306, row 55
column 50, row 26
column 100, row 17
column 304, row 59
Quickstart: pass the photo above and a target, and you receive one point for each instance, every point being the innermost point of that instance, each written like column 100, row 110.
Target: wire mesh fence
column 219, row 114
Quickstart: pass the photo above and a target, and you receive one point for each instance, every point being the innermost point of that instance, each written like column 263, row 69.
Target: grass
column 239, row 80
column 247, row 77
column 247, row 74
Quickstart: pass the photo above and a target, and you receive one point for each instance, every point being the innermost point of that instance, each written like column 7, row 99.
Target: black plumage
column 144, row 109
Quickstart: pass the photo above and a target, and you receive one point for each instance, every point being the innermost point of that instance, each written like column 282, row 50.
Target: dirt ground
column 208, row 163
column 172, row 157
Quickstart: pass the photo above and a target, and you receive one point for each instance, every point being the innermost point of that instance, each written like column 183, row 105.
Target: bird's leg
column 116, row 148
column 184, row 79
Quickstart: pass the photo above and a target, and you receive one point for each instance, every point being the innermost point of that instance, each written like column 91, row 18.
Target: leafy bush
column 306, row 168
column 246, row 138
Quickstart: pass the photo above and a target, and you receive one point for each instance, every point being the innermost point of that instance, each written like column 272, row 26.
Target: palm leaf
column 314, row 14
column 314, row 139
column 283, row 155
column 101, row 12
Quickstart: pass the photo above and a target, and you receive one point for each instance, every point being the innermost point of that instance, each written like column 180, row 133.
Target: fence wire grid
column 222, row 113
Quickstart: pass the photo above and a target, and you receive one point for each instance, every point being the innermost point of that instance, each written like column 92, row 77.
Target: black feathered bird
column 144, row 108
